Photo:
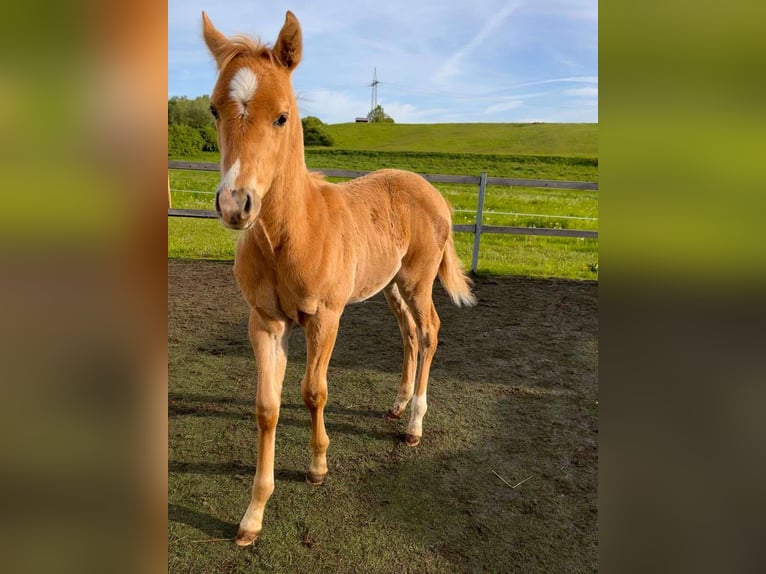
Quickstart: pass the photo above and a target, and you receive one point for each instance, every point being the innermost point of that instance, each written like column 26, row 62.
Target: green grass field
column 534, row 139
column 499, row 254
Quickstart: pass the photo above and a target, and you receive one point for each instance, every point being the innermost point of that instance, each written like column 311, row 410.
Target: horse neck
column 285, row 206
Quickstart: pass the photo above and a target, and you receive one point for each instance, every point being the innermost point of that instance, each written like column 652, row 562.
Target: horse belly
column 372, row 280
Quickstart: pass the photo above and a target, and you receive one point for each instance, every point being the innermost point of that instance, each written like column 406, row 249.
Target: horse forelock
column 241, row 44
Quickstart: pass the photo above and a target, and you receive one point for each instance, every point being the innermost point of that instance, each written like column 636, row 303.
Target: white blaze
column 242, row 87
column 230, row 178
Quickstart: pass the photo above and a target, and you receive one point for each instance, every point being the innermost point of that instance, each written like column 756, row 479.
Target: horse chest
column 295, row 303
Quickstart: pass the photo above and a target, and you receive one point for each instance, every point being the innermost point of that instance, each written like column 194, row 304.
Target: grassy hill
column 516, row 139
column 498, row 165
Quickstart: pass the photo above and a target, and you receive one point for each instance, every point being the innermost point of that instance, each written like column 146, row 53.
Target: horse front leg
column 269, row 340
column 321, row 332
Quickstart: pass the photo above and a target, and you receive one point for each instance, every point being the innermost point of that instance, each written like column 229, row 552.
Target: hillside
column 516, row 139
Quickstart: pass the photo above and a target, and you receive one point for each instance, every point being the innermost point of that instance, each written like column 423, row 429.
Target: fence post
column 479, row 217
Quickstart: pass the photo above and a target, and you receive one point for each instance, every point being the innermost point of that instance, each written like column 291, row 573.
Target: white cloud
column 582, row 92
column 452, row 67
column 567, row 80
column 503, row 106
column 570, row 9
column 410, row 114
column 331, row 106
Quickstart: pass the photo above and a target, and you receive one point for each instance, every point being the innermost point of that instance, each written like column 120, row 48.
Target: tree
column 210, row 137
column 191, row 127
column 184, row 141
column 194, row 113
column 380, row 116
column 313, row 132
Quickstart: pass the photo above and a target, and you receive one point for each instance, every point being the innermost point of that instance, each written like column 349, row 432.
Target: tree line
column 191, row 128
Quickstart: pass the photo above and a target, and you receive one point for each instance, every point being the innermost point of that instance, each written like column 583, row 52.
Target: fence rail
column 477, row 228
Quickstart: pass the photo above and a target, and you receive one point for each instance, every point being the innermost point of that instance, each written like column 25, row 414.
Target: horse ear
column 217, row 43
column 289, row 45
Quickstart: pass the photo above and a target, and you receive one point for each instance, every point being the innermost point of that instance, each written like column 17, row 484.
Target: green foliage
column 378, row 115
column 184, row 140
column 195, row 115
column 209, row 137
column 312, row 122
column 314, row 133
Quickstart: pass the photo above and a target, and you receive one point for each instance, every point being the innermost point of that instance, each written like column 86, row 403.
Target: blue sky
column 437, row 61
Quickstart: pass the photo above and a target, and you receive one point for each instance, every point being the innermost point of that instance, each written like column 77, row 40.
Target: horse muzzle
column 237, row 208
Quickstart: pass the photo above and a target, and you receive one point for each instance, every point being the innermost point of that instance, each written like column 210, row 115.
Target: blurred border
column 682, row 277
column 83, row 116
column 83, row 250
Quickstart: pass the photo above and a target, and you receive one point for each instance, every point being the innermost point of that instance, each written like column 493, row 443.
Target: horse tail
column 453, row 277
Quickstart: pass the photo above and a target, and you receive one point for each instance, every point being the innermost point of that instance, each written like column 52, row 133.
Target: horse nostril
column 217, row 203
column 248, row 203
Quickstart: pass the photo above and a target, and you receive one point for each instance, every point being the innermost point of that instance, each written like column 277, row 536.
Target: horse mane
column 316, row 177
column 240, row 44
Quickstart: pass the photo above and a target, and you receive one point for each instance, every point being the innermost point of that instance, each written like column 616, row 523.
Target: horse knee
column 314, row 398
column 428, row 333
column 267, row 416
column 429, row 339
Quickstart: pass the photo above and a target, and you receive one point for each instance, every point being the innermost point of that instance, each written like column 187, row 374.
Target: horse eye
column 214, row 112
column 281, row 120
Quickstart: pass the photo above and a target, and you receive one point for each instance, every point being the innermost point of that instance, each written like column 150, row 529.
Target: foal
column 310, row 247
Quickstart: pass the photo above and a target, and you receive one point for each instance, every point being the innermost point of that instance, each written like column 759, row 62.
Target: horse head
column 256, row 116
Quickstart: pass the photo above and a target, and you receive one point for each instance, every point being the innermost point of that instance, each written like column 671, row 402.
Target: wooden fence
column 477, row 228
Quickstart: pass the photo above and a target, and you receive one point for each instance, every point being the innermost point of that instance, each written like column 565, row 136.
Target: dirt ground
column 505, row 479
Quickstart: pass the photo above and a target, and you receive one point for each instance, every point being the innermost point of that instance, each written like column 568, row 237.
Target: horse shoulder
column 255, row 274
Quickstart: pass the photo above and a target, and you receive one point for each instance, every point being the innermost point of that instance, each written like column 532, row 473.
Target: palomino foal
column 309, row 247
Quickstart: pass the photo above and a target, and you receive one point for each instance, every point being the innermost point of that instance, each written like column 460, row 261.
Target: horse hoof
column 246, row 537
column 315, row 479
column 411, row 440
column 392, row 416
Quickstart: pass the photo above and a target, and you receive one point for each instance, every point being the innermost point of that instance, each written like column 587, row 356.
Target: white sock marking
column 418, row 409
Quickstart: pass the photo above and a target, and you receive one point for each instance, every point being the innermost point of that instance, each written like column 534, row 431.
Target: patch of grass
column 531, row 256
column 200, row 239
column 541, row 167
column 491, row 138
column 497, row 165
column 499, row 254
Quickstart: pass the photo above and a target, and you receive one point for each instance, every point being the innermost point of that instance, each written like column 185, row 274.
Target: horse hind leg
column 427, row 322
column 410, row 342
